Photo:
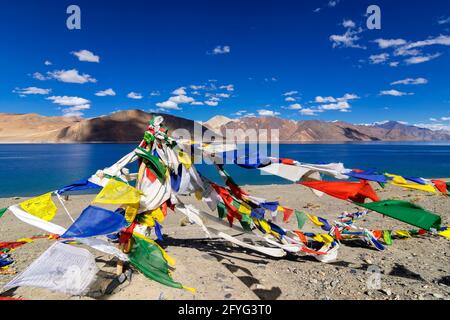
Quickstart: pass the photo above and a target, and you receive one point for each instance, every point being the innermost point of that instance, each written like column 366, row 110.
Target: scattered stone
column 260, row 287
column 387, row 292
column 438, row 296
column 314, row 281
column 228, row 296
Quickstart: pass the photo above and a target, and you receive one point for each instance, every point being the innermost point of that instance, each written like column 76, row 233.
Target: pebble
column 313, row 281
column 438, row 295
column 387, row 292
column 260, row 287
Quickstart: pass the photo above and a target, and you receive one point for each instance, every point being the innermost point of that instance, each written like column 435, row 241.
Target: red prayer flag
column 440, row 185
column 354, row 191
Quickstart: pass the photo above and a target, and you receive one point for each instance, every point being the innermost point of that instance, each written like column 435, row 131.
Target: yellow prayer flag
column 117, row 192
column 42, row 207
column 314, row 220
column 325, row 238
column 244, row 209
column 184, row 158
column 402, row 182
column 131, row 212
column 445, row 233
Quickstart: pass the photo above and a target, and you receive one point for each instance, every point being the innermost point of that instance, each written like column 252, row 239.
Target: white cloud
column 433, row 126
column 387, row 43
column 333, row 3
column 445, row 118
column 155, row 93
column 197, row 87
column 394, row 93
column 267, row 113
column 68, row 101
column 229, row 87
column 422, row 59
column 239, row 113
column 180, row 91
column 342, row 106
column 347, row 40
column 86, row 55
column 320, row 99
column 197, row 103
column 379, row 58
column 71, row 76
column 402, row 51
column 211, row 103
column 439, row 40
column 348, row 96
column 134, row 95
column 290, row 93
column 289, row 99
column 104, row 93
column 295, row 106
column 32, row 90
column 40, row 76
column 348, row 23
column 47, row 63
column 223, row 95
column 411, row 81
column 168, row 105
column 394, row 64
column 181, row 99
column 75, row 105
column 221, row 50
column 444, row 20
column 309, row 112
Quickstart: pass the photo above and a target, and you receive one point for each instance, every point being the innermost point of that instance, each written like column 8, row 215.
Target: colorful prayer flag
column 406, row 212
column 95, row 221
column 117, row 192
column 42, row 207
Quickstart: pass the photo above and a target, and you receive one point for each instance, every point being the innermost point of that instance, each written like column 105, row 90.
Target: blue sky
column 196, row 59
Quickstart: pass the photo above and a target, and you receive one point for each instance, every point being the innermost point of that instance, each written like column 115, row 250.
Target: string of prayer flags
column 42, row 207
column 406, row 212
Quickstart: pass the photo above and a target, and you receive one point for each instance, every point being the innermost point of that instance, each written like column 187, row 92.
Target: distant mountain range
column 291, row 131
column 128, row 126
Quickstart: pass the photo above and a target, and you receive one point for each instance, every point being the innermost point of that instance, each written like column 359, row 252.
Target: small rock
column 387, row 292
column 314, row 281
column 438, row 295
column 260, row 287
column 228, row 296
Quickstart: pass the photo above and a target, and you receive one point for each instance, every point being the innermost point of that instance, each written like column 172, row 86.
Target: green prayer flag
column 222, row 210
column 387, row 237
column 149, row 260
column 153, row 163
column 301, row 218
column 2, row 211
column 246, row 222
column 406, row 212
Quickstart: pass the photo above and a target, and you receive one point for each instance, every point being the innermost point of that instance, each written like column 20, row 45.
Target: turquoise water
column 38, row 168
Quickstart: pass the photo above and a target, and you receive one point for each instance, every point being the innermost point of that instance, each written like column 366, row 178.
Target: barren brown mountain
column 127, row 126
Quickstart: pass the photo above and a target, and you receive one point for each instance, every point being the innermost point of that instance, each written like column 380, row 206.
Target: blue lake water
column 32, row 169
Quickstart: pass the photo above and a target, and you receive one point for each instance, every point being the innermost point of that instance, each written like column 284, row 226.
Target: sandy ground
column 415, row 268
